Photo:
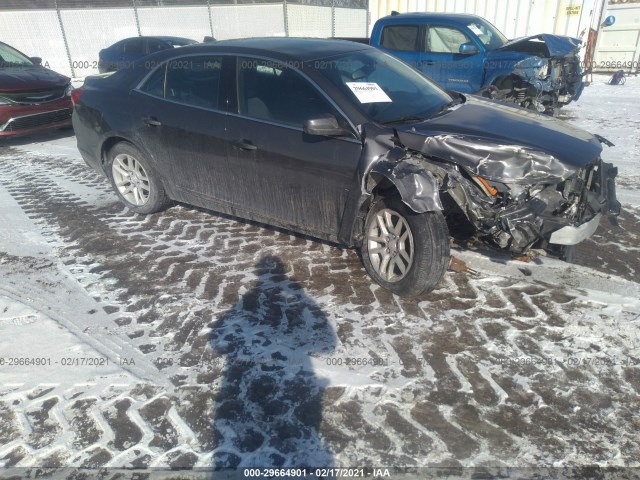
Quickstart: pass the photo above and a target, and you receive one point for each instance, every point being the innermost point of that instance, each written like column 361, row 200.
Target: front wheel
column 134, row 181
column 403, row 251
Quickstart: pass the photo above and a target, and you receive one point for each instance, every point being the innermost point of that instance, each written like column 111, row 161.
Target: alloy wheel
column 390, row 245
column 131, row 179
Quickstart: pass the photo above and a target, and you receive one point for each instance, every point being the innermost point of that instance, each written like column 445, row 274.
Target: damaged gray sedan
column 345, row 143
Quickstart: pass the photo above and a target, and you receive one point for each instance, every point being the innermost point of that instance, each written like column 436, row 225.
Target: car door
column 443, row 62
column 290, row 178
column 180, row 122
column 402, row 41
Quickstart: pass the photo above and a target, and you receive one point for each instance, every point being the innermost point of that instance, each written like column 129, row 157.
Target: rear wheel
column 133, row 180
column 403, row 251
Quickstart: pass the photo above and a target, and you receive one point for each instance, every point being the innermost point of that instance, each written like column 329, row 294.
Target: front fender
column 418, row 188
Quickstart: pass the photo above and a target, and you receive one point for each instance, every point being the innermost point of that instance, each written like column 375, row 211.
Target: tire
column 410, row 255
column 566, row 253
column 133, row 180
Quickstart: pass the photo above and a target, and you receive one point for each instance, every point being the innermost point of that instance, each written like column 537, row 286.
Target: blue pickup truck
column 467, row 54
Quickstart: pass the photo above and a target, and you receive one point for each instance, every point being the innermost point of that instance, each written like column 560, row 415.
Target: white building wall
column 618, row 46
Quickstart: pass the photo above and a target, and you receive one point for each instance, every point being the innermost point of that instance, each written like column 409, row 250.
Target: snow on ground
column 612, row 111
column 227, row 343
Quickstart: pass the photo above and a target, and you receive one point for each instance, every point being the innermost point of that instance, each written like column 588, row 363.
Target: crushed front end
column 513, row 197
column 564, row 213
column 549, row 78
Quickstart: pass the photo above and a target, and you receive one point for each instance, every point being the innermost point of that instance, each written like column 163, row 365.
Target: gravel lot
column 187, row 338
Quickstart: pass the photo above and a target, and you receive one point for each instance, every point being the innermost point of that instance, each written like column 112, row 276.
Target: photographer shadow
column 269, row 405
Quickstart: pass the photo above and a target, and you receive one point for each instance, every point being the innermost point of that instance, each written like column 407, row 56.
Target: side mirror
column 36, row 60
column 610, row 20
column 325, row 126
column 468, row 48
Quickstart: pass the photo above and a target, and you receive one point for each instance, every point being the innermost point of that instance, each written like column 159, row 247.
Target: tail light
column 75, row 95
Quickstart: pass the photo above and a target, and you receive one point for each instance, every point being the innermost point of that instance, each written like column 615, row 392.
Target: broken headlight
column 522, row 193
column 533, row 67
column 542, row 71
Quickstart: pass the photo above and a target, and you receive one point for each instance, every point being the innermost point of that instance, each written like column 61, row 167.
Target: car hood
column 502, row 142
column 17, row 79
column 556, row 45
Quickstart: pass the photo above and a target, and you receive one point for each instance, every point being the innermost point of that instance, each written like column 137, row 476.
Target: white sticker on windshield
column 475, row 29
column 368, row 92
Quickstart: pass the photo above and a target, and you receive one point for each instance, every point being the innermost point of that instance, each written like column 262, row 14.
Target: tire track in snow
column 167, row 278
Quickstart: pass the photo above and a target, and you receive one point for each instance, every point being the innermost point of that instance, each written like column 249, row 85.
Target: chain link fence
column 68, row 34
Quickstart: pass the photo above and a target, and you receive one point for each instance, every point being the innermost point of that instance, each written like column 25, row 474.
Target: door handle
column 153, row 121
column 245, row 145
column 429, row 62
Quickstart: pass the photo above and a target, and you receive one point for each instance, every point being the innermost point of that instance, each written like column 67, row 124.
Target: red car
column 32, row 97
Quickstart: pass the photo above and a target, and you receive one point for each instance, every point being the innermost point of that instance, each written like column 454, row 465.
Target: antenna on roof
column 394, row 12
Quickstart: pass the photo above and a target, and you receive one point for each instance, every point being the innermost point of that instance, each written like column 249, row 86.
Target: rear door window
column 193, row 81
column 402, row 38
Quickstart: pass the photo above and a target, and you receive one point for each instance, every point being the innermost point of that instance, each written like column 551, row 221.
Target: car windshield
column 489, row 35
column 10, row 57
column 384, row 88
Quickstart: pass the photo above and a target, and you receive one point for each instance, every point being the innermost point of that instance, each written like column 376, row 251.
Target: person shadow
column 268, row 409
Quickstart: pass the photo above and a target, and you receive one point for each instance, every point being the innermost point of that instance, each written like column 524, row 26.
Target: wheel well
column 384, row 188
column 108, row 144
column 503, row 82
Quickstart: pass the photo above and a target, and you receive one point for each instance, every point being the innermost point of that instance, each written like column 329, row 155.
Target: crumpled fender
column 386, row 157
column 418, row 188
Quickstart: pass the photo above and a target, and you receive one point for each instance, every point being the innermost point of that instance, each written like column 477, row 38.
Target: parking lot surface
column 187, row 338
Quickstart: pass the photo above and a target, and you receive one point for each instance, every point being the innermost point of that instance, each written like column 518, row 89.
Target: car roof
column 421, row 17
column 164, row 38
column 169, row 38
column 280, row 48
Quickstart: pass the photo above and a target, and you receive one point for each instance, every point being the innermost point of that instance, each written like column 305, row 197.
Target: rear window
column 155, row 84
column 134, row 47
column 403, row 38
column 194, row 81
column 191, row 80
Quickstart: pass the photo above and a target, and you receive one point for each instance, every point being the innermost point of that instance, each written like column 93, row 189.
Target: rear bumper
column 87, row 137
